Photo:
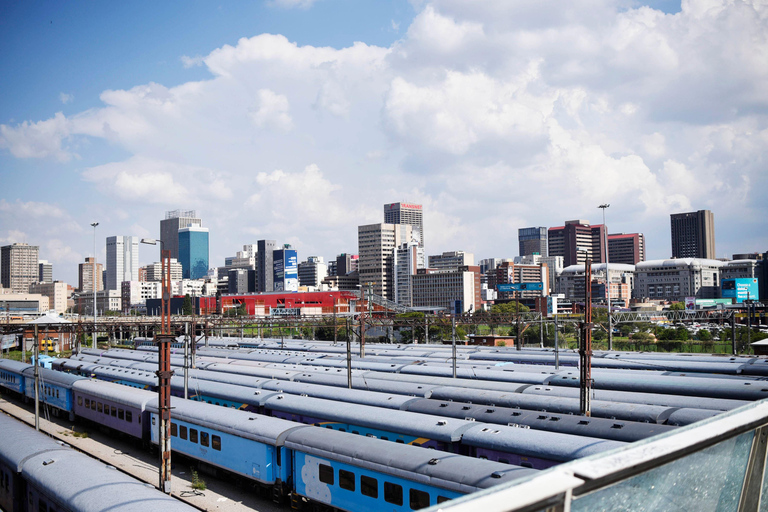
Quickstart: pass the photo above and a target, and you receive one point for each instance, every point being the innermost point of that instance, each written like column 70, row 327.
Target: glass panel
column 204, row 438
column 418, row 499
column 216, row 442
column 369, row 486
column 393, row 493
column 326, row 474
column 708, row 480
column 346, row 480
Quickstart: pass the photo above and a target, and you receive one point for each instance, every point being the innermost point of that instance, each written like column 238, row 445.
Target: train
column 311, row 466
column 496, row 440
column 38, row 473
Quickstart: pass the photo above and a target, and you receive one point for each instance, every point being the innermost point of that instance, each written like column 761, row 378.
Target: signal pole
column 585, row 344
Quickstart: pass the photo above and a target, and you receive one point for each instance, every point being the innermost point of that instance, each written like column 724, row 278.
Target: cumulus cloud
column 495, row 115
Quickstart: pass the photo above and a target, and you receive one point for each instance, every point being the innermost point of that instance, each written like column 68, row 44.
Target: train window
column 94, row 403
column 88, row 402
column 57, row 393
column 183, row 432
column 419, row 499
column 192, row 435
column 120, row 414
column 504, row 461
column 80, row 399
column 204, row 438
column 356, row 432
column 326, row 474
column 174, row 430
column 42, row 506
column 129, row 416
column 114, row 411
column 526, row 465
column 384, row 438
column 396, row 440
column 98, row 407
column 442, row 499
column 346, row 480
column 393, row 493
column 342, row 430
column 369, row 486
column 216, row 442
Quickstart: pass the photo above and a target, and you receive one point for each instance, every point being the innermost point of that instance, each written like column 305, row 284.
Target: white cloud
column 291, row 4
column 66, row 98
column 492, row 114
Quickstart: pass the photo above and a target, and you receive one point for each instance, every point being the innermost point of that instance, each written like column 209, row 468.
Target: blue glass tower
column 193, row 252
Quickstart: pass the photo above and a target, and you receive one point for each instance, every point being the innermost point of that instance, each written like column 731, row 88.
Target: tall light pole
column 607, row 280
column 93, row 278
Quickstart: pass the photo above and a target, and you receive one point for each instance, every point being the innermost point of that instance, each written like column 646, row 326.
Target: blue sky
column 296, row 120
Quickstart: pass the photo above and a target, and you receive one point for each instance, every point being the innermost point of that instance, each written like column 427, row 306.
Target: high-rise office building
column 409, row 257
column 170, row 226
column 406, row 213
column 451, row 260
column 45, row 271
column 313, row 271
column 285, row 266
column 19, row 267
column 193, row 252
column 627, row 248
column 376, row 248
column 576, row 241
column 265, row 266
column 693, row 234
column 533, row 241
column 85, row 273
column 122, row 261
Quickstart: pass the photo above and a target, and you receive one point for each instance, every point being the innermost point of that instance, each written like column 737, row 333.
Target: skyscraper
column 86, row 274
column 122, row 260
column 285, row 265
column 532, row 241
column 628, row 248
column 170, row 226
column 265, row 265
column 693, row 234
column 19, row 267
column 45, row 271
column 376, row 247
column 193, row 252
column 576, row 241
column 406, row 213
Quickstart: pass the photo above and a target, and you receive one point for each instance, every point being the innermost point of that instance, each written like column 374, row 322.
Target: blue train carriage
column 38, row 473
column 120, row 408
column 55, row 389
column 357, row 473
column 11, row 377
column 246, row 444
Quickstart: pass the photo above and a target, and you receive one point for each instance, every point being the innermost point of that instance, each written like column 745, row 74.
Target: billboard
column 740, row 289
column 690, row 303
column 285, row 270
column 516, row 287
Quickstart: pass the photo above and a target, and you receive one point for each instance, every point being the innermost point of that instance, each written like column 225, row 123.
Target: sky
column 297, row 120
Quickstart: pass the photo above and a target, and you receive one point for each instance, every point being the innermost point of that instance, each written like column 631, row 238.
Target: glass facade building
column 193, row 252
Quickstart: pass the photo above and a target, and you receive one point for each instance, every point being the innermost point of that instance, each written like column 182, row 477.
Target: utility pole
column 453, row 341
column 37, row 379
column 607, row 280
column 585, row 344
column 93, row 278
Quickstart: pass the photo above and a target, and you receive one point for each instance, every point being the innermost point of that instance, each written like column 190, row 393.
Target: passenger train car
column 40, row 474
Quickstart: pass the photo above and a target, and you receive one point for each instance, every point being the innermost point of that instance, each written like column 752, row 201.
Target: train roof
column 441, row 469
column 20, row 441
column 52, row 376
column 13, row 366
column 115, row 392
column 264, row 429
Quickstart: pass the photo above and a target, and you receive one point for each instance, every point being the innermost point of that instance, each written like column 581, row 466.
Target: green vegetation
column 197, row 482
column 186, row 306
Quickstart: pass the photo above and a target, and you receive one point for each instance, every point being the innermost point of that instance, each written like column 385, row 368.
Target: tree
column 508, row 308
column 186, row 306
column 677, row 306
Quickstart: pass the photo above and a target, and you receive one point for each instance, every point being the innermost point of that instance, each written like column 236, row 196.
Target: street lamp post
column 93, row 279
column 164, row 372
column 607, row 280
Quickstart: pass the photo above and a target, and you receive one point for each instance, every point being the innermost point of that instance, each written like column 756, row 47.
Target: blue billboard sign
column 740, row 289
column 518, row 287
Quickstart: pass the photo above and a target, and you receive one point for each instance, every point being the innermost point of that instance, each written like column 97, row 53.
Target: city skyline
column 296, row 121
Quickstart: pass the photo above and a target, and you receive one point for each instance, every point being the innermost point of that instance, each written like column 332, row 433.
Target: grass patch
column 197, row 482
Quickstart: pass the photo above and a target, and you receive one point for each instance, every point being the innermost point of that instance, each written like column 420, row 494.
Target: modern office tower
column 554, row 265
column 264, row 265
column 532, row 241
column 441, row 288
column 154, row 271
column 576, row 241
column 626, row 248
column 122, row 260
column 346, row 264
column 286, row 274
column 45, row 272
column 406, row 213
column 693, row 235
column 19, row 267
column 451, row 260
column 193, row 252
column 85, row 272
column 313, row 271
column 241, row 280
column 409, row 257
column 170, row 226
column 509, row 273
column 376, row 248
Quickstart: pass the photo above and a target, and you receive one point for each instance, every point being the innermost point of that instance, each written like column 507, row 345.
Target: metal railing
column 717, row 464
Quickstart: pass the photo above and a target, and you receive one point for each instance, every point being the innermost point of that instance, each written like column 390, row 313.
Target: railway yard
column 276, row 424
